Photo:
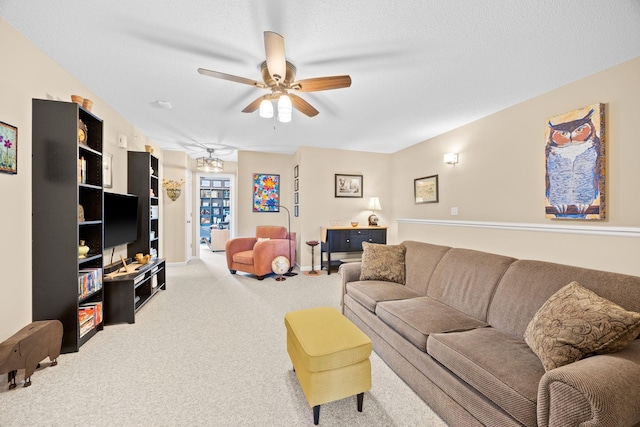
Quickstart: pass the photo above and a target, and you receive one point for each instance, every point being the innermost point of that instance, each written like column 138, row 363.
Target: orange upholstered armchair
column 255, row 254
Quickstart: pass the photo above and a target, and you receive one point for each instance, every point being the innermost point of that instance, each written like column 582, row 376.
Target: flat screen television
column 120, row 219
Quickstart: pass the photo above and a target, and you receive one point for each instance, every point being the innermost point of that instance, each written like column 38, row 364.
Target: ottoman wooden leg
column 316, row 414
column 360, row 398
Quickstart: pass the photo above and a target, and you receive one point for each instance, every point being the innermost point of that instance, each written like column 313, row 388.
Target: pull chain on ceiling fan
column 210, row 164
column 278, row 77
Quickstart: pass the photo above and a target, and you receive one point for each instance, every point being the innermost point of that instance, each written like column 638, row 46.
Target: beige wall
column 500, row 178
column 31, row 74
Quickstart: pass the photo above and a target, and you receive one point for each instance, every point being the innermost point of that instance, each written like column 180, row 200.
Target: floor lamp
column 292, row 262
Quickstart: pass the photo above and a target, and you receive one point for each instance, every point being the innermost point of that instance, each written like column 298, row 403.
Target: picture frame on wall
column 8, row 148
column 348, row 185
column 296, row 212
column 295, row 171
column 295, row 185
column 266, row 192
column 107, row 170
column 295, row 198
column 425, row 190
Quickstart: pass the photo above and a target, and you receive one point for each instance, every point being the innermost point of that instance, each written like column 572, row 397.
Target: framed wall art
column 348, row 185
column 575, row 153
column 266, row 192
column 8, row 148
column 107, row 171
column 425, row 190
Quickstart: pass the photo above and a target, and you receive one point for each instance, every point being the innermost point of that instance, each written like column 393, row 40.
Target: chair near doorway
column 254, row 254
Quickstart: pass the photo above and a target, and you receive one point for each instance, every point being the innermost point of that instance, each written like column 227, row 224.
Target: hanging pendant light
column 210, row 164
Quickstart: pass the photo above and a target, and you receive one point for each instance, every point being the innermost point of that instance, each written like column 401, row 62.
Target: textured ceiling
column 419, row 67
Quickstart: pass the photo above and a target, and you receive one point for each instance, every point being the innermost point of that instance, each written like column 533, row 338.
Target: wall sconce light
column 451, row 158
column 173, row 188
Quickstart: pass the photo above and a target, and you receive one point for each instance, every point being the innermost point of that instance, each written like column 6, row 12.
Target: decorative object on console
column 8, row 148
column 355, row 224
column 266, row 192
column 425, row 190
column 280, row 265
column 374, row 204
column 348, row 185
column 451, row 158
column 210, row 164
column 575, row 154
column 173, row 188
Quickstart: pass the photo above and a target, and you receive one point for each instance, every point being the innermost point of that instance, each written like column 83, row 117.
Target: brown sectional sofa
column 454, row 333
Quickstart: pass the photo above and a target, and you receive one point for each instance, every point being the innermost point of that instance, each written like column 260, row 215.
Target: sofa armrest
column 349, row 272
column 265, row 251
column 236, row 245
column 601, row 390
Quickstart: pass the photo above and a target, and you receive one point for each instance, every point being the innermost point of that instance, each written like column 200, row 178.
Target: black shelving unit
column 66, row 175
column 143, row 180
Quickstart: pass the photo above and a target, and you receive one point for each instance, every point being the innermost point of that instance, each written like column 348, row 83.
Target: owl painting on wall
column 575, row 164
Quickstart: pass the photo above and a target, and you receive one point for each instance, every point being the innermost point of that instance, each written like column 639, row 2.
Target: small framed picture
column 295, row 185
column 8, row 148
column 295, row 198
column 425, row 190
column 348, row 185
column 296, row 212
column 295, row 171
column 107, row 171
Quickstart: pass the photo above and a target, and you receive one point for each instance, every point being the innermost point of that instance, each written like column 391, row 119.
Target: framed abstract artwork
column 425, row 190
column 575, row 153
column 8, row 148
column 266, row 192
column 348, row 185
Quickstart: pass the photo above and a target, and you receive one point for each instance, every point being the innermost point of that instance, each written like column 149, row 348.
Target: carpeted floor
column 208, row 351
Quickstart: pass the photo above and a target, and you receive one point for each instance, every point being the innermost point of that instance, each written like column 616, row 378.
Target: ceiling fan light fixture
column 266, row 109
column 285, row 109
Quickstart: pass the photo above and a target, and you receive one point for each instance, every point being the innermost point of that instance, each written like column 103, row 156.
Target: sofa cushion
column 576, row 323
column 498, row 365
column 382, row 262
column 420, row 260
column 527, row 284
column 466, row 280
column 416, row 318
column 370, row 292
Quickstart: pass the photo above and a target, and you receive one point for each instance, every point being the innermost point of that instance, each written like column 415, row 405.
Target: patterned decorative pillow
column 575, row 323
column 382, row 262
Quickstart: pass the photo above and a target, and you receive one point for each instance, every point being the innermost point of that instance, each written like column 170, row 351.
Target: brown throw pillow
column 382, row 262
column 575, row 323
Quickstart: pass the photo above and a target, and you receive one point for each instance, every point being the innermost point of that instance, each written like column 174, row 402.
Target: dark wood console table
column 347, row 239
column 125, row 294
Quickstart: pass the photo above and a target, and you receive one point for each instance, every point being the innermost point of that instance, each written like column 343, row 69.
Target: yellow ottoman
column 330, row 356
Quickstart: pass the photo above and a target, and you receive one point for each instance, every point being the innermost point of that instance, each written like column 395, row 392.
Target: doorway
column 215, row 211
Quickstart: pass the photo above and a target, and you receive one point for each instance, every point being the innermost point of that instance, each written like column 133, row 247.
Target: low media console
column 124, row 294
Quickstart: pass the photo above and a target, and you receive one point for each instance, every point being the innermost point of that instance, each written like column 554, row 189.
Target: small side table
column 313, row 244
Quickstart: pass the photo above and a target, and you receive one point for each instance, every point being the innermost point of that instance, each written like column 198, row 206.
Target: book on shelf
column 97, row 310
column 89, row 281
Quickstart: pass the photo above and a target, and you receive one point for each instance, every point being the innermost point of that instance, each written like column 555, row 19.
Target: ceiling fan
column 278, row 77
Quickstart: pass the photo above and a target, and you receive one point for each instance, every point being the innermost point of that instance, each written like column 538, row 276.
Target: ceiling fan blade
column 254, row 105
column 274, row 51
column 223, row 76
column 321, row 83
column 303, row 106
